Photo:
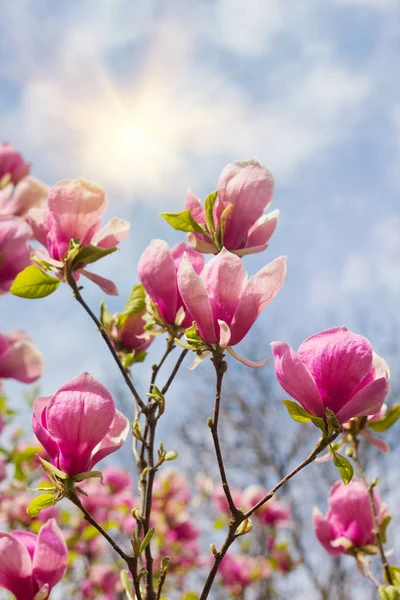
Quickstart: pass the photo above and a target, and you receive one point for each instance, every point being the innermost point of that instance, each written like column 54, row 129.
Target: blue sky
column 149, row 99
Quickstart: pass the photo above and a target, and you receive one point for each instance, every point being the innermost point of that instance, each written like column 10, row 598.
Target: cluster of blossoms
column 336, row 379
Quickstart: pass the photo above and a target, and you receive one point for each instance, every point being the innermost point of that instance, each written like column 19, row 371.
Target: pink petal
column 50, row 560
column 21, row 361
column 259, row 291
column 26, row 538
column 245, row 361
column 111, row 234
column 195, row 298
column 262, row 229
column 39, row 426
column 193, row 204
column 28, row 193
column 325, row 533
column 77, row 206
column 113, row 440
column 157, row 272
column 295, row 379
column 224, row 334
column 338, row 360
column 36, row 219
column 195, row 257
column 249, row 187
column 200, row 245
column 252, row 250
column 42, row 254
column 375, row 441
column 368, row 401
column 380, row 366
column 15, row 567
column 79, row 416
column 198, row 360
column 225, row 280
column 106, row 285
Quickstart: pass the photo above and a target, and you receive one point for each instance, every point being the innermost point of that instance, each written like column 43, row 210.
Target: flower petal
column 111, row 234
column 50, row 560
column 224, row 334
column 259, row 291
column 113, row 440
column 200, row 245
column 157, row 272
column 296, row 380
column 325, row 533
column 106, row 285
column 36, row 219
column 375, row 441
column 28, row 193
column 21, row 361
column 263, row 229
column 195, row 298
column 368, row 401
column 15, row 567
column 245, row 361
column 39, row 426
column 193, row 204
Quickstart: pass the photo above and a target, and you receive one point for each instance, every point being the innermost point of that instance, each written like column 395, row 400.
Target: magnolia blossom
column 74, row 209
column 334, row 369
column 272, row 512
column 223, row 302
column 130, row 333
column 248, row 188
column 18, row 200
column 220, row 503
column 157, row 269
column 79, row 425
column 238, row 572
column 31, row 565
column 104, row 583
column 12, row 164
column 14, row 251
column 349, row 522
column 19, row 358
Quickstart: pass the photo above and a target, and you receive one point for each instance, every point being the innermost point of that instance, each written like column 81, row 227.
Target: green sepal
column 32, row 283
column 387, row 421
column 300, row 415
column 344, row 467
column 50, row 469
column 88, row 475
column 182, row 221
column 40, row 503
column 90, row 254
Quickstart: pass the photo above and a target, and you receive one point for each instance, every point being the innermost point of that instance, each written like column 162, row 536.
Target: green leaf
column 301, row 416
column 106, row 317
column 127, row 584
column 190, row 596
column 90, row 254
column 33, row 283
column 388, row 592
column 39, row 503
column 136, row 303
column 383, row 528
column 344, row 467
column 387, row 421
column 209, row 210
column 147, row 540
column 171, row 455
column 182, row 221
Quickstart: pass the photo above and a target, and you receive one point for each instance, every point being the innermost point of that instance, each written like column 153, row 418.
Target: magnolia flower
column 14, row 251
column 334, row 369
column 223, row 302
column 79, row 425
column 31, row 565
column 272, row 512
column 19, row 358
column 73, row 212
column 18, row 200
column 157, row 269
column 248, row 188
column 349, row 522
column 130, row 333
column 12, row 164
column 220, row 503
column 238, row 572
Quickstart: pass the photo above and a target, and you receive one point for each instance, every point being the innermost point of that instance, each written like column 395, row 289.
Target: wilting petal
column 225, row 279
column 262, row 230
column 245, row 361
column 21, row 361
column 252, row 250
column 195, row 298
column 157, row 273
column 368, row 401
column 338, row 360
column 77, row 206
column 111, row 234
column 15, row 567
column 296, row 380
column 259, row 291
column 113, row 440
column 50, row 560
column 325, row 533
column 106, row 285
column 198, row 360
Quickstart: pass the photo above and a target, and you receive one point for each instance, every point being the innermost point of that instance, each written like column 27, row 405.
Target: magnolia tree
column 93, row 532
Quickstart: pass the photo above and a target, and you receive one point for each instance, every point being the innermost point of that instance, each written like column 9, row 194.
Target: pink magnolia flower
column 14, row 251
column 272, row 512
column 238, row 572
column 79, row 425
column 248, row 187
column 18, row 200
column 12, row 163
column 349, row 522
column 31, row 565
column 103, row 583
column 130, row 333
column 157, row 269
column 74, row 209
column 225, row 304
column 220, row 503
column 334, row 369
column 19, row 358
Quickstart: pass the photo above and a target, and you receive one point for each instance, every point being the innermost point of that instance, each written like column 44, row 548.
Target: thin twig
column 174, row 372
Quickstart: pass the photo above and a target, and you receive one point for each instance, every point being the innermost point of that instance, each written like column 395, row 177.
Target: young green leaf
column 127, row 584
column 388, row 592
column 301, row 416
column 33, row 283
column 39, row 503
column 147, row 540
column 344, row 467
column 387, row 421
column 136, row 303
column 90, row 254
column 182, row 221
